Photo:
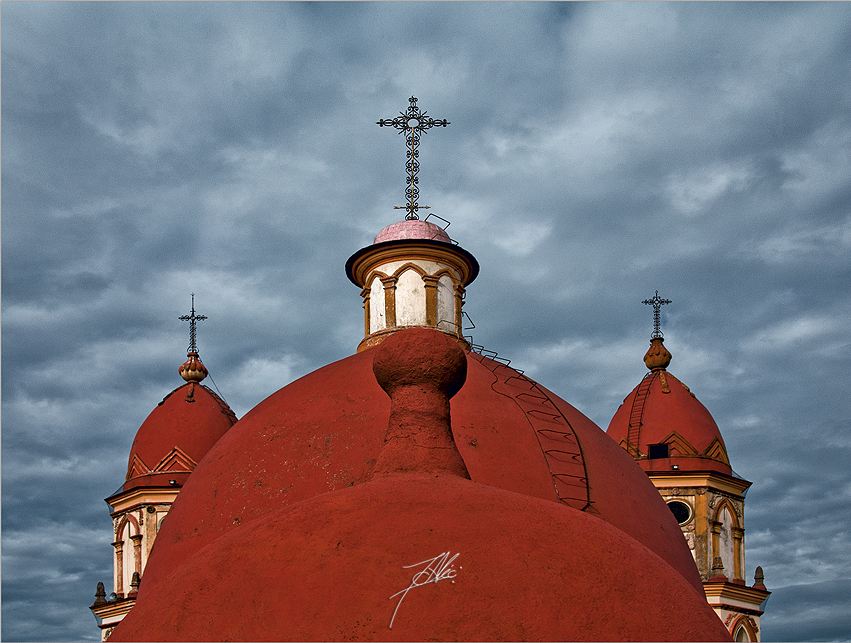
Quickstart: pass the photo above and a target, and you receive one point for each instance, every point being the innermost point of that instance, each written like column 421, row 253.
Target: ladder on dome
column 556, row 438
column 636, row 414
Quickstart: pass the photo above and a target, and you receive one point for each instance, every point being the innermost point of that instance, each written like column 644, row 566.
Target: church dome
column 331, row 568
column 324, row 432
column 178, row 432
column 664, row 426
column 410, row 542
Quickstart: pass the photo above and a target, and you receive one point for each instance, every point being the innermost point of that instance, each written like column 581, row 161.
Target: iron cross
column 657, row 302
column 413, row 122
column 192, row 319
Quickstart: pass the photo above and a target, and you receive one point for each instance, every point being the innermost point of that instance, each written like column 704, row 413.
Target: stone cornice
column 109, row 611
column 359, row 264
column 734, row 596
column 139, row 497
column 728, row 484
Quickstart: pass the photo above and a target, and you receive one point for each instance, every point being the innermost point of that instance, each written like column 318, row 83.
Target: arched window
column 744, row 629
column 727, row 539
column 410, row 299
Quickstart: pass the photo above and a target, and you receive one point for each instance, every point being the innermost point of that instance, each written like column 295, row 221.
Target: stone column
column 119, row 567
column 137, row 553
column 459, row 294
column 430, row 283
column 365, row 294
column 738, row 548
column 389, row 301
column 715, row 527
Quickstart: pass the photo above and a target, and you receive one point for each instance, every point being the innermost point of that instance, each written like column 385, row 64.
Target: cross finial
column 413, row 122
column 657, row 302
column 192, row 319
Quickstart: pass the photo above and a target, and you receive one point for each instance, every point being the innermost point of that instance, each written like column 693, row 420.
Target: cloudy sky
column 596, row 153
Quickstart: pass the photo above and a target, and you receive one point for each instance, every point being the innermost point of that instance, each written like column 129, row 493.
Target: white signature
column 437, row 569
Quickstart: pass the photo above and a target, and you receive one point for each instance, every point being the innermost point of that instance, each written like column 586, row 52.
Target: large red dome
column 336, row 567
column 324, row 432
column 255, row 548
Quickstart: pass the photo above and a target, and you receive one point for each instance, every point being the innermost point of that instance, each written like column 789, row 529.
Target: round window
column 681, row 511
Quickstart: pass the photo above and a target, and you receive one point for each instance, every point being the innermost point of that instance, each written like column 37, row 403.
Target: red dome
column 336, row 567
column 667, row 416
column 176, row 436
column 412, row 229
column 324, row 432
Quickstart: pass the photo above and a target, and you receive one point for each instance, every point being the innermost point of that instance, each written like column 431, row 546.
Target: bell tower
column 167, row 447
column 674, row 438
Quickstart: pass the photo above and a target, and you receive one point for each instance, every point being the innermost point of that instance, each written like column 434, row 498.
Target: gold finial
column 657, row 357
column 193, row 370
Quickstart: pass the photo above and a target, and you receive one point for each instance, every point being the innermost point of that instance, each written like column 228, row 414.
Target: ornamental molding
column 176, row 461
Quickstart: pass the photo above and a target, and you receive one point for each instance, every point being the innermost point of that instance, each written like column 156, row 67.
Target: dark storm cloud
column 805, row 609
column 597, row 152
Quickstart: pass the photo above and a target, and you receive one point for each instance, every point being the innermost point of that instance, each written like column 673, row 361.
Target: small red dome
column 496, row 566
column 667, row 425
column 176, row 436
column 412, row 229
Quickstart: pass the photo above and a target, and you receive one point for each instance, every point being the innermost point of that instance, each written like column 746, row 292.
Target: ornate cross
column 413, row 122
column 192, row 319
column 657, row 302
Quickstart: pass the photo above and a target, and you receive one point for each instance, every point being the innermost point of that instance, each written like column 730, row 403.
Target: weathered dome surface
column 336, row 567
column 176, row 436
column 412, row 229
column 669, row 413
column 324, row 432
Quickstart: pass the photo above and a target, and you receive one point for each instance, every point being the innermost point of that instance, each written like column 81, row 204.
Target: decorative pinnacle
column 413, row 122
column 657, row 302
column 192, row 319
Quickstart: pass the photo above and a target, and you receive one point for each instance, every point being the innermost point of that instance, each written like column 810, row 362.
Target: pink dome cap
column 412, row 229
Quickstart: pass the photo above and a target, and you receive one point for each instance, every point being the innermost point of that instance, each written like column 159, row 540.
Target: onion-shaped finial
column 657, row 357
column 193, row 370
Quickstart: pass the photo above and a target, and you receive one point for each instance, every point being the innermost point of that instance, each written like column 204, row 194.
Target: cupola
column 413, row 275
column 573, row 576
column 183, row 426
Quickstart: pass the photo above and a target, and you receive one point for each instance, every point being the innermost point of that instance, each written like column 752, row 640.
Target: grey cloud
column 597, row 152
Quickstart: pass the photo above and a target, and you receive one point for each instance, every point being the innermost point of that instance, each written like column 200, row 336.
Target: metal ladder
column 556, row 438
column 636, row 413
